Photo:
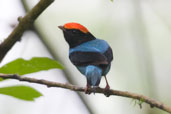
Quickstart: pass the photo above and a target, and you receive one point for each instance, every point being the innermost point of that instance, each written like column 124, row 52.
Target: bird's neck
column 75, row 41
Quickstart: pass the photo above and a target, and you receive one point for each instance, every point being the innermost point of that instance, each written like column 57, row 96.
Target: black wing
column 109, row 55
column 85, row 58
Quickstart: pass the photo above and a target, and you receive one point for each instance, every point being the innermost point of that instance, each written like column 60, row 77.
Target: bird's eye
column 74, row 31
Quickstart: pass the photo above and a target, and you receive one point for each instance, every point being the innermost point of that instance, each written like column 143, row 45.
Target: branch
column 151, row 102
column 24, row 23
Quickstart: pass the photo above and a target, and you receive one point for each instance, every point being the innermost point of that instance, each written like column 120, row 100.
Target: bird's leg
column 107, row 84
column 86, row 89
column 106, row 88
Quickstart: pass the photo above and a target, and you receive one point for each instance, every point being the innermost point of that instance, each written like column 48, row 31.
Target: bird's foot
column 107, row 88
column 95, row 88
column 106, row 91
column 87, row 90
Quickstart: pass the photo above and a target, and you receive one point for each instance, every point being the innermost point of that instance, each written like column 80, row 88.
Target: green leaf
column 36, row 64
column 21, row 92
column 1, row 79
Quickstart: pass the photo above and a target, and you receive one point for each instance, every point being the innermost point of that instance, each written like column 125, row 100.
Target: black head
column 75, row 34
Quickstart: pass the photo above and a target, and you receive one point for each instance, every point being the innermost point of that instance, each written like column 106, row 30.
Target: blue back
column 96, row 45
column 93, row 73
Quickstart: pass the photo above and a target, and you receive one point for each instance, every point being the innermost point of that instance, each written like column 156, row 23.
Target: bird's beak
column 62, row 28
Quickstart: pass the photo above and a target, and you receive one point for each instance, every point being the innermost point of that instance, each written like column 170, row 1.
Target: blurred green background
column 139, row 32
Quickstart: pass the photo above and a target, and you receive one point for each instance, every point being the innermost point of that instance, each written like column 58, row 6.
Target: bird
column 90, row 55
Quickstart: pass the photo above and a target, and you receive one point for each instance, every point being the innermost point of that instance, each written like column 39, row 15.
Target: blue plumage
column 91, row 56
column 92, row 70
column 92, row 73
column 96, row 45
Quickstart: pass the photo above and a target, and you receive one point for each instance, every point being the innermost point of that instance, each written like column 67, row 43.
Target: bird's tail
column 93, row 74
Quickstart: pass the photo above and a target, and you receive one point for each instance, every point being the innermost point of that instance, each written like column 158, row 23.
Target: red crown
column 77, row 26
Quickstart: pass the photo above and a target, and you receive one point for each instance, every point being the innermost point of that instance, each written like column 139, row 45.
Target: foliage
column 22, row 67
column 36, row 64
column 21, row 92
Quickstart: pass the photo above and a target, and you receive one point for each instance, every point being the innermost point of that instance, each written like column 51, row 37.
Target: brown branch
column 24, row 23
column 151, row 102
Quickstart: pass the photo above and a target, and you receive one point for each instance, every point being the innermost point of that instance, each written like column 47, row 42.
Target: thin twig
column 151, row 102
column 24, row 23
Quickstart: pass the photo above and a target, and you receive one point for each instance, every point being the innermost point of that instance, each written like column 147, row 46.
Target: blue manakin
column 91, row 56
